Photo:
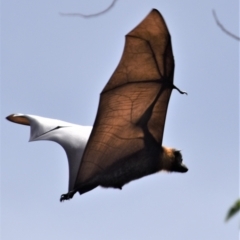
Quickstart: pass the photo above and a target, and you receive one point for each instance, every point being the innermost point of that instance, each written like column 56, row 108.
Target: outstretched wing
column 135, row 97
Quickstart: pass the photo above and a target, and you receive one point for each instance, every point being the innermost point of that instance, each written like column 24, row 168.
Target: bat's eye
column 180, row 159
column 178, row 156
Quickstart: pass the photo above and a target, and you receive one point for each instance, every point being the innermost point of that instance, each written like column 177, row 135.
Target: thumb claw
column 174, row 87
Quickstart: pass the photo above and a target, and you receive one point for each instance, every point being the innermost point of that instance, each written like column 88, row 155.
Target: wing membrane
column 136, row 96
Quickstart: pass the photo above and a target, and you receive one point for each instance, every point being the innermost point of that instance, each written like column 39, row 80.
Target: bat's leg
column 67, row 196
column 174, row 87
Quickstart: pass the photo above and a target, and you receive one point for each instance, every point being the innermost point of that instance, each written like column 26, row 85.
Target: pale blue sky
column 56, row 67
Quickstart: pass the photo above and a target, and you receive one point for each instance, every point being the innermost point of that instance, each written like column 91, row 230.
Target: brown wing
column 136, row 96
column 18, row 119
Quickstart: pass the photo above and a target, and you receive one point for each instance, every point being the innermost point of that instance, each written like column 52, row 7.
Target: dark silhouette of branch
column 223, row 28
column 90, row 15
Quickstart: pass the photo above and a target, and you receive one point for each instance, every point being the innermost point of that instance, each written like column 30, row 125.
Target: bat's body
column 126, row 140
column 138, row 165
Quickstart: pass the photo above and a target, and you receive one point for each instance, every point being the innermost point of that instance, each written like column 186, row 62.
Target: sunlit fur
column 167, row 158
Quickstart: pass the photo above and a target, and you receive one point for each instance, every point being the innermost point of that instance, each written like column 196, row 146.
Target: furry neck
column 167, row 158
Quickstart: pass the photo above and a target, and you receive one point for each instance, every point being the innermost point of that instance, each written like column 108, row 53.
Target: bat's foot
column 118, row 186
column 174, row 87
column 67, row 196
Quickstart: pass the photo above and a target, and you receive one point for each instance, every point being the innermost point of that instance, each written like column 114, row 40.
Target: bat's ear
column 18, row 118
column 177, row 153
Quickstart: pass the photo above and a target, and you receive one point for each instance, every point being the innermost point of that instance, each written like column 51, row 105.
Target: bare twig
column 223, row 28
column 90, row 15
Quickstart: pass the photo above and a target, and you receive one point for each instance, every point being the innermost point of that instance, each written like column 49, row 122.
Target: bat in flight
column 126, row 141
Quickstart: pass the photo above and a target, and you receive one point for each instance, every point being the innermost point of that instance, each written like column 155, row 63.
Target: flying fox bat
column 73, row 138
column 126, row 141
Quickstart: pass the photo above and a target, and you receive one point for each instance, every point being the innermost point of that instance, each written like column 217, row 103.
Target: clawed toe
column 66, row 196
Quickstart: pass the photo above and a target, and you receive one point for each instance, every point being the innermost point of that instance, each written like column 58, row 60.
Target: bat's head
column 178, row 165
column 172, row 160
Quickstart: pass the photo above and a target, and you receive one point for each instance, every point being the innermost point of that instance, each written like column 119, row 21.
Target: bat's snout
column 179, row 167
column 182, row 168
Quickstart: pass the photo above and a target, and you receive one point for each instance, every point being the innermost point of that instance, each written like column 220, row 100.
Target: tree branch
column 90, row 15
column 223, row 28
